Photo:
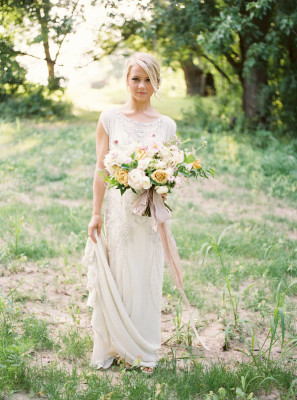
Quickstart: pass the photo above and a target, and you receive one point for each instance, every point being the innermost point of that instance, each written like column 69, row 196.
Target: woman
column 125, row 282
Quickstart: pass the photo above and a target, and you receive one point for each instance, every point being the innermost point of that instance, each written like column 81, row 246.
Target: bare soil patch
column 53, row 292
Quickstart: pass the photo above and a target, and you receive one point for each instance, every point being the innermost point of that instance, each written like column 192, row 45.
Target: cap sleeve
column 171, row 129
column 105, row 120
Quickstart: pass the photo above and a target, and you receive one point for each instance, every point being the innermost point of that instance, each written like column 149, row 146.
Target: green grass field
column 241, row 284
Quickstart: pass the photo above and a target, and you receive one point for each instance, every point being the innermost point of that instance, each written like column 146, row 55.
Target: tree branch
column 231, row 61
column 98, row 58
column 217, row 67
column 62, row 40
column 21, row 53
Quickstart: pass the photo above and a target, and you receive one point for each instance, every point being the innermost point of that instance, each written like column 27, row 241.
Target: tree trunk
column 50, row 63
column 194, row 77
column 210, row 89
column 256, row 107
column 43, row 19
column 254, row 110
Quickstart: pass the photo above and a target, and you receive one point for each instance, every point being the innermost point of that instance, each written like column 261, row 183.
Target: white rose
column 124, row 158
column 109, row 162
column 135, row 179
column 179, row 181
column 144, row 163
column 146, row 183
column 178, row 156
column 162, row 189
column 170, row 172
column 160, row 164
column 165, row 152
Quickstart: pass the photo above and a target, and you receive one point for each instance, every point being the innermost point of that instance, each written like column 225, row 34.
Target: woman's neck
column 138, row 107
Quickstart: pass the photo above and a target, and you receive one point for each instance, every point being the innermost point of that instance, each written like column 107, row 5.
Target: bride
column 125, row 269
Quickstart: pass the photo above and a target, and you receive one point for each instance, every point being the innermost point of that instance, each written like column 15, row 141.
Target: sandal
column 146, row 370
column 143, row 368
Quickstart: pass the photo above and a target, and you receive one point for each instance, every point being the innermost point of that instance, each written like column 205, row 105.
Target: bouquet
column 155, row 167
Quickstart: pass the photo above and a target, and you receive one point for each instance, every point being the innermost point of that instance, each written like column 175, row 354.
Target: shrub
column 34, row 100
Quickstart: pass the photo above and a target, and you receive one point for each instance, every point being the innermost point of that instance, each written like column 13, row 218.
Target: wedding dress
column 125, row 270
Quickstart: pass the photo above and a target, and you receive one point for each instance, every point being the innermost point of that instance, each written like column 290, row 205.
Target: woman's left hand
column 164, row 196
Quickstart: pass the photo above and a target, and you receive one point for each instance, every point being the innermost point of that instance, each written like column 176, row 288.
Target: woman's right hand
column 95, row 223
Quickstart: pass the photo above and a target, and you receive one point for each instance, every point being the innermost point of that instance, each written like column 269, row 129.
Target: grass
column 46, row 199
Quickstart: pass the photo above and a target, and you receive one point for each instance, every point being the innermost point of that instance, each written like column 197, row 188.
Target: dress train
column 114, row 332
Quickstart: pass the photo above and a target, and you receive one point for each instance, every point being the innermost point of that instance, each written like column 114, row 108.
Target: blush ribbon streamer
column 161, row 223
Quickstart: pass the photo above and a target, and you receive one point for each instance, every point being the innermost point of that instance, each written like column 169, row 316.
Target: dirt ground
column 49, row 291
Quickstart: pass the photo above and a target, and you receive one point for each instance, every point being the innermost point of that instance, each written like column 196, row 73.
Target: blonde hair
column 149, row 63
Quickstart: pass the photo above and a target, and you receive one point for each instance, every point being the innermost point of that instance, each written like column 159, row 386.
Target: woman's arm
column 99, row 185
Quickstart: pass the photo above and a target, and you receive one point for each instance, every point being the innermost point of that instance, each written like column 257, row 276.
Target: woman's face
column 139, row 84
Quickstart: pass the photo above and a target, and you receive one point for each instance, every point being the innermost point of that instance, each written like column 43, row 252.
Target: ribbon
column 161, row 223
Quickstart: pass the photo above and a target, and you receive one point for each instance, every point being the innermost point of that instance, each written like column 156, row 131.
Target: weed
column 76, row 345
column 182, row 332
column 14, row 348
column 215, row 245
column 37, row 330
column 16, row 224
column 261, row 356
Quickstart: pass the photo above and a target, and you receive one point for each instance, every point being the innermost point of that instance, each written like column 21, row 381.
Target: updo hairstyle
column 149, row 63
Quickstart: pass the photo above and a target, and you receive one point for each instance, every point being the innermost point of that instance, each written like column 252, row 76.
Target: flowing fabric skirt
column 125, row 277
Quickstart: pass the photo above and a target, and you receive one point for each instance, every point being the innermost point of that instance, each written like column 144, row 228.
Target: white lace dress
column 125, row 280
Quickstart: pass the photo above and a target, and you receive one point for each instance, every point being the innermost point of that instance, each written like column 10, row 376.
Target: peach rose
column 140, row 154
column 114, row 169
column 196, row 164
column 121, row 176
column 160, row 176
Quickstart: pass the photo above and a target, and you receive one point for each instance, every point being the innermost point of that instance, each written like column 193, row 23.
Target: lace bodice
column 123, row 131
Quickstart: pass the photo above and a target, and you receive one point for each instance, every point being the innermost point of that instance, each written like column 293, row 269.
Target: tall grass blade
column 282, row 319
column 291, row 390
column 201, row 252
column 224, row 231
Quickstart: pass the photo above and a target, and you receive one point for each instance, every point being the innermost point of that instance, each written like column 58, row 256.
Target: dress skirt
column 125, row 278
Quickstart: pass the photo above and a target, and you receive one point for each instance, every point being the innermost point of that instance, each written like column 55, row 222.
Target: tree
column 150, row 31
column 12, row 73
column 217, row 29
column 257, row 39
column 54, row 20
column 173, row 27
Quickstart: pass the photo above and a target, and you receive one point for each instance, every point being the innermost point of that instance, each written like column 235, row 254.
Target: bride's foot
column 147, row 370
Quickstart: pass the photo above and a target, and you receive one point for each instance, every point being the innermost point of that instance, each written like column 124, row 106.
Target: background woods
column 249, row 45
